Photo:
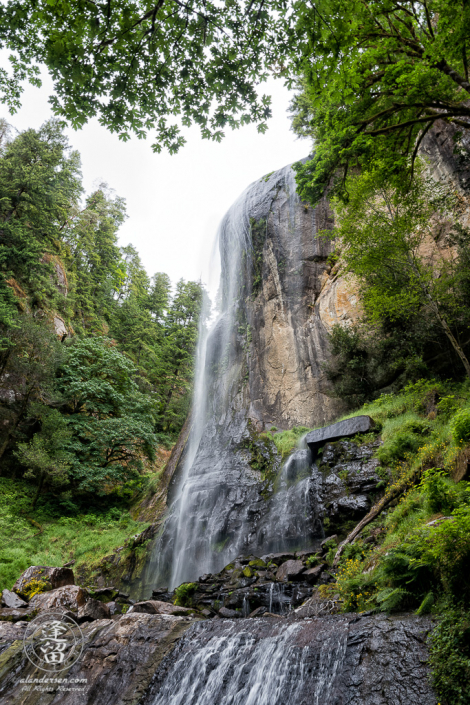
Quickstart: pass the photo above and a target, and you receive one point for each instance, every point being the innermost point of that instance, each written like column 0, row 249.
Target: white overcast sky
column 175, row 203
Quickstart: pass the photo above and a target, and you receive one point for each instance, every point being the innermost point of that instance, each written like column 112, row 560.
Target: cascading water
column 261, row 662
column 293, row 522
column 217, row 511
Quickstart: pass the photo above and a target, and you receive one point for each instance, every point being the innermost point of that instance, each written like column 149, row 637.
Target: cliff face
column 295, row 299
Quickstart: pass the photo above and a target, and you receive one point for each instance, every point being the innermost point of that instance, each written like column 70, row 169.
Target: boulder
column 277, row 558
column 114, row 608
column 106, row 594
column 258, row 612
column 342, row 429
column 10, row 614
column 11, row 599
column 290, row 570
column 93, row 609
column 227, row 613
column 312, row 575
column 52, row 577
column 69, row 597
column 157, row 607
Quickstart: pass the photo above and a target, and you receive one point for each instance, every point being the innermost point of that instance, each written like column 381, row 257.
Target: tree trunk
column 38, row 492
column 454, row 342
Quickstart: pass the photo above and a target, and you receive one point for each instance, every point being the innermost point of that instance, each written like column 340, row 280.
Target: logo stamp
column 53, row 642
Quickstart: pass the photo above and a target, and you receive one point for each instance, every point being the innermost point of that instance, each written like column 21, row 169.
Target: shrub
column 460, row 426
column 450, row 657
column 440, row 492
column 184, row 594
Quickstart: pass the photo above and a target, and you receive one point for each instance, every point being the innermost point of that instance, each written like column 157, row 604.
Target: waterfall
column 217, row 505
column 254, row 662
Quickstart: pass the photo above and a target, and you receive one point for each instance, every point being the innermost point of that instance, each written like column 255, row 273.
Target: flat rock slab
column 342, row 429
column 158, row 607
column 347, row 659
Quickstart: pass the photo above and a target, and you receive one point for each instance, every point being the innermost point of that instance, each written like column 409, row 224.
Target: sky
column 175, row 202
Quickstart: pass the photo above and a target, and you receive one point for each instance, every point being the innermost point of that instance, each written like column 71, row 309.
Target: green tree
column 403, row 247
column 39, row 185
column 44, row 455
column 109, row 418
column 137, row 62
column 179, row 346
column 27, row 374
column 376, row 75
column 95, row 260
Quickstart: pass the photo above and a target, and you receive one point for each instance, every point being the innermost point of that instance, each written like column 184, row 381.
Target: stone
column 158, row 607
column 258, row 612
column 290, row 570
column 119, row 660
column 342, row 429
column 11, row 599
column 106, row 594
column 92, row 610
column 52, row 577
column 278, row 558
column 69, row 597
column 227, row 613
column 11, row 614
column 312, row 574
column 114, row 608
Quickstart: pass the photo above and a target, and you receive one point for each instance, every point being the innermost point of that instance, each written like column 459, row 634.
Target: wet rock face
column 118, row 662
column 351, row 660
column 263, row 367
column 350, row 483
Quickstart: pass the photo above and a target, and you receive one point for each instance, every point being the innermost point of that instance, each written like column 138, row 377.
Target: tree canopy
column 139, row 65
column 376, row 75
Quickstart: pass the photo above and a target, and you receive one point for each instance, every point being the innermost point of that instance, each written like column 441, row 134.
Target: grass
column 57, row 533
column 286, row 441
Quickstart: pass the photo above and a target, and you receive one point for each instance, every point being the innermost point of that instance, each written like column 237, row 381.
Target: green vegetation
column 59, row 529
column 416, row 555
column 375, row 78
column 286, row 441
column 184, row 594
column 96, row 358
column 134, row 63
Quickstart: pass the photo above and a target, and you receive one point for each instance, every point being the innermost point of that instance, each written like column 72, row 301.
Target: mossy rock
column 247, row 572
column 258, row 563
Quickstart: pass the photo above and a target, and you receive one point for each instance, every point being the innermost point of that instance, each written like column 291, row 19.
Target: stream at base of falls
column 338, row 660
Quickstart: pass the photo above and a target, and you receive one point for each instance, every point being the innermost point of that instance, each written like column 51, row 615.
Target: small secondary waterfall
column 217, row 511
column 292, row 522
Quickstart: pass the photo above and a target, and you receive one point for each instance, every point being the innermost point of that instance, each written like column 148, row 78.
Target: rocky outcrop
column 118, row 662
